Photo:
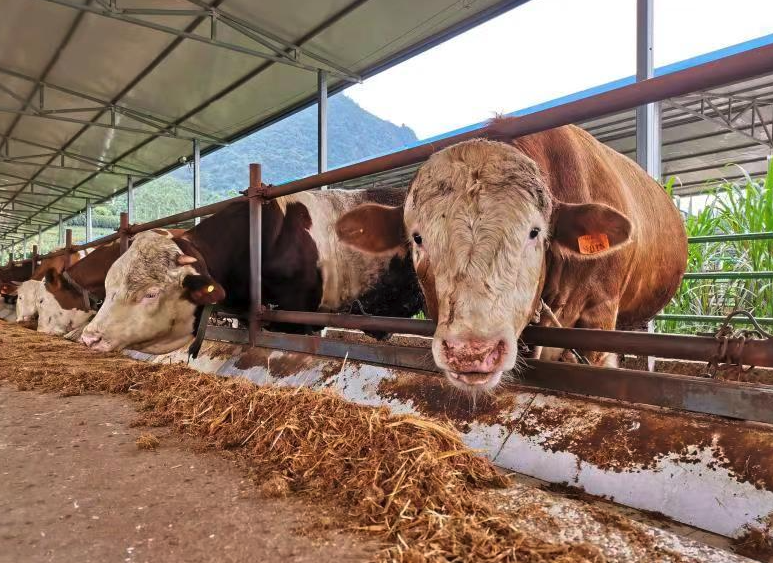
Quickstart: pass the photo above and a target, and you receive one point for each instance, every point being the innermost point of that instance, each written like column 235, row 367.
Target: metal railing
column 721, row 275
column 660, row 389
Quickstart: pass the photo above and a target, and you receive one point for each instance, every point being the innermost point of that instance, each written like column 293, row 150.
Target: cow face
column 479, row 219
column 29, row 296
column 54, row 319
column 151, row 295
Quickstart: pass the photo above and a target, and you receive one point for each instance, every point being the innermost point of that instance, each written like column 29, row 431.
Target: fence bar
column 730, row 237
column 709, row 396
column 123, row 232
column 256, row 251
column 698, row 348
column 713, row 319
column 196, row 177
column 708, row 75
column 34, row 259
column 67, row 250
column 728, row 275
column 130, row 197
column 89, row 219
column 185, row 215
column 322, row 122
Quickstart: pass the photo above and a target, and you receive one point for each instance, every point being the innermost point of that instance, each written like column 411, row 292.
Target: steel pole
column 130, row 198
column 89, row 228
column 61, row 232
column 40, row 237
column 196, row 178
column 256, row 241
column 123, row 232
column 322, row 122
column 647, row 115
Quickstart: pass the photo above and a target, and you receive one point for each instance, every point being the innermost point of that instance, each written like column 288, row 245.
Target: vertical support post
column 68, row 247
column 123, row 230
column 256, row 251
column 196, row 178
column 34, row 263
column 40, row 237
column 648, row 115
column 89, row 227
column 130, row 198
column 322, row 122
column 61, row 232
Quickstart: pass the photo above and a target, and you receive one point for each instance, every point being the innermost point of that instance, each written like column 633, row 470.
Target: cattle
column 28, row 299
column 77, row 291
column 35, row 302
column 155, row 291
column 497, row 228
column 14, row 274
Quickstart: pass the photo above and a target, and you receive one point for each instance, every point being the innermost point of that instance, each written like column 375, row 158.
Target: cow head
column 151, row 295
column 29, row 296
column 54, row 319
column 479, row 219
column 61, row 308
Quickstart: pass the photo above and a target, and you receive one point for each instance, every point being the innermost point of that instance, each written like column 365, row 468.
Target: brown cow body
column 497, row 227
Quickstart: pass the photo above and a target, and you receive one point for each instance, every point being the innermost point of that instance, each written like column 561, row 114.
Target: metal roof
column 92, row 91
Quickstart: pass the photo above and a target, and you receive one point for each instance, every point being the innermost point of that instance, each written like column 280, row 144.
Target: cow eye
column 151, row 294
column 534, row 232
column 41, row 301
column 417, row 238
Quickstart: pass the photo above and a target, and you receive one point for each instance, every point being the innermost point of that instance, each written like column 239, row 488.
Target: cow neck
column 221, row 241
column 90, row 272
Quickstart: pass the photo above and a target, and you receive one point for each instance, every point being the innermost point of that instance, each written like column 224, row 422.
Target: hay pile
column 409, row 481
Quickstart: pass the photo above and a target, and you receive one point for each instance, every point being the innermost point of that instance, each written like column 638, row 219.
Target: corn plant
column 732, row 207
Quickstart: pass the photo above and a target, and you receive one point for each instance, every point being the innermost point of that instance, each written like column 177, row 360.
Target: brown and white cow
column 495, row 228
column 35, row 302
column 76, row 292
column 155, row 291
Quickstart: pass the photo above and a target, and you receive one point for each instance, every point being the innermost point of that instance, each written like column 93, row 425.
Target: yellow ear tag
column 210, row 288
column 593, row 243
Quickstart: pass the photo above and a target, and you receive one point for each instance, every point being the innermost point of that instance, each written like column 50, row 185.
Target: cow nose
column 90, row 338
column 474, row 355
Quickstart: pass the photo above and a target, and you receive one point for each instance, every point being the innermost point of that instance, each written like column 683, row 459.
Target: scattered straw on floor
column 148, row 442
column 409, row 481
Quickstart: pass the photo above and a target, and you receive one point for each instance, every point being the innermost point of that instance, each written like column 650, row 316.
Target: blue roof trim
column 667, row 69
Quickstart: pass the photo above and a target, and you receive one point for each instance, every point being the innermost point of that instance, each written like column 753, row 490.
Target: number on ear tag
column 593, row 243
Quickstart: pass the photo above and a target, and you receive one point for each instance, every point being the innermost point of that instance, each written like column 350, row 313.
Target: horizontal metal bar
column 700, row 348
column 728, row 275
column 708, row 75
column 185, row 215
column 734, row 400
column 732, row 237
column 713, row 319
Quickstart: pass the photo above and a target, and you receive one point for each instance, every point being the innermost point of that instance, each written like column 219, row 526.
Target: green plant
column 732, row 207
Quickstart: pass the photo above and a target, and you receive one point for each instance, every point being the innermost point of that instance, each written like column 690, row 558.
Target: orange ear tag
column 593, row 243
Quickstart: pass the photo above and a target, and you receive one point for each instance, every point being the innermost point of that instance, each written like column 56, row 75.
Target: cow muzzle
column 95, row 341
column 473, row 364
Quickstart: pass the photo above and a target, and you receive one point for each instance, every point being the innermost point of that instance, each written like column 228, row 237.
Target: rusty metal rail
column 734, row 400
column 680, row 347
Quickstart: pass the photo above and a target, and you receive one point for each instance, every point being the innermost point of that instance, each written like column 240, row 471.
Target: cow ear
column 590, row 230
column 373, row 228
column 203, row 290
column 52, row 278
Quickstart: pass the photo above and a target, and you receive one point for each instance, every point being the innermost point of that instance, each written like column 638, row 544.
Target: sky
column 546, row 49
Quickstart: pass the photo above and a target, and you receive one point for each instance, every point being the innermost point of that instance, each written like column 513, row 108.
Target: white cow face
column 151, row 295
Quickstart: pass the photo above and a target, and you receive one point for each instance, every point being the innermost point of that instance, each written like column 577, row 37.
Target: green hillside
column 287, row 150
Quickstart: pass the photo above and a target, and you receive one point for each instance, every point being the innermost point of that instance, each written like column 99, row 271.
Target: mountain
column 288, row 149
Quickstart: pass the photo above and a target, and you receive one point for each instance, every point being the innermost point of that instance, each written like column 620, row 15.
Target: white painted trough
column 708, row 472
